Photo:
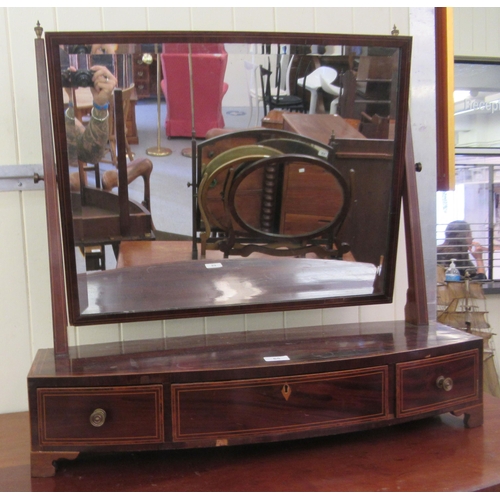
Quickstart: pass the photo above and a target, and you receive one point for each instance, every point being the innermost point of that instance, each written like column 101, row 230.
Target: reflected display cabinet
column 303, row 215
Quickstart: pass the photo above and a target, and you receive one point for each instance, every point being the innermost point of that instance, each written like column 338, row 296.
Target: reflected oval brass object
column 215, row 179
column 290, row 208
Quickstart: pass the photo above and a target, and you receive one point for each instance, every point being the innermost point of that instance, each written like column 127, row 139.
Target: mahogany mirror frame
column 53, row 42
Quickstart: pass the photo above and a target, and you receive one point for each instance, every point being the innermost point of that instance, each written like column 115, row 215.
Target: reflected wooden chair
column 127, row 96
column 140, row 167
column 374, row 127
column 102, row 217
column 370, row 87
column 282, row 99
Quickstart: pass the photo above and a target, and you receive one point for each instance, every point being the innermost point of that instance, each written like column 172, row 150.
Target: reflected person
column 459, row 245
column 88, row 143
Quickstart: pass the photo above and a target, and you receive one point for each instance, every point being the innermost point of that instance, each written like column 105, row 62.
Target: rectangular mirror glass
column 229, row 173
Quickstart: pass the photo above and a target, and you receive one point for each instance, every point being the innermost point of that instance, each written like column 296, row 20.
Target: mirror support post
column 57, row 283
column 194, row 187
column 416, row 311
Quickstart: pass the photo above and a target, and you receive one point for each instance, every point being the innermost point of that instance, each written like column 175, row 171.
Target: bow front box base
column 248, row 387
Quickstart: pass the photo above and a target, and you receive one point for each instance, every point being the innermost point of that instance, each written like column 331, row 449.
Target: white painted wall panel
column 252, row 19
column 493, row 32
column 142, row 330
column 299, row 19
column 124, row 18
column 172, row 19
column 23, row 74
column 187, row 326
column 212, row 19
column 462, row 32
column 15, row 353
column 34, row 224
column 88, row 18
column 476, row 32
column 8, row 127
column 373, row 20
column 96, row 334
column 338, row 20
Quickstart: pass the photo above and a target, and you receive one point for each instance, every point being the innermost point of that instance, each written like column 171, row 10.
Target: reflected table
column 221, row 282
column 320, row 127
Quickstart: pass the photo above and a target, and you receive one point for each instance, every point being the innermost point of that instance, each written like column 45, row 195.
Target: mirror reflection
column 185, row 158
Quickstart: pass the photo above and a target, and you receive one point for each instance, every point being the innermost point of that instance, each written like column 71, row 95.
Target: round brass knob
column 445, row 383
column 98, row 417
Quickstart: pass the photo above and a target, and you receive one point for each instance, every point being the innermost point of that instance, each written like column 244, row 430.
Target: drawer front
column 436, row 383
column 101, row 415
column 221, row 410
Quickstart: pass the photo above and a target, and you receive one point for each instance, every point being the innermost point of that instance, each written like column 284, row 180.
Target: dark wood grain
column 417, row 382
column 134, row 414
column 416, row 310
column 278, row 405
column 57, row 281
column 225, row 352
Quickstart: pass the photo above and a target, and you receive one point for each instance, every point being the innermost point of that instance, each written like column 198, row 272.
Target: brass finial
column 394, row 31
column 38, row 30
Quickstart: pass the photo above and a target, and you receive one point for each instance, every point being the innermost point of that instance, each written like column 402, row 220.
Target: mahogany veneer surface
column 248, row 387
column 227, row 282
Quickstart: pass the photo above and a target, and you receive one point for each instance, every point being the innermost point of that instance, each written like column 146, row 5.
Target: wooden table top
column 435, row 454
column 320, row 127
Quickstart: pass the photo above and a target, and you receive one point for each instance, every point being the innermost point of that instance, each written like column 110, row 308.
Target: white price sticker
column 214, row 265
column 276, row 358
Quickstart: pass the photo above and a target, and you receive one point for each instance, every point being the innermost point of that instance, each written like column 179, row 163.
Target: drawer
column 431, row 384
column 221, row 410
column 100, row 415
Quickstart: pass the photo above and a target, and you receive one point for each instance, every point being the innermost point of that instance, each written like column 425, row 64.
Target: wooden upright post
column 56, row 260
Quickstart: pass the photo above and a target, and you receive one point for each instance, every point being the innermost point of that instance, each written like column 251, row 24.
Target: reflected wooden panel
column 98, row 220
column 214, row 285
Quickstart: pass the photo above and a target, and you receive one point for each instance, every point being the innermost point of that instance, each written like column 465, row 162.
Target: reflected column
column 157, row 150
